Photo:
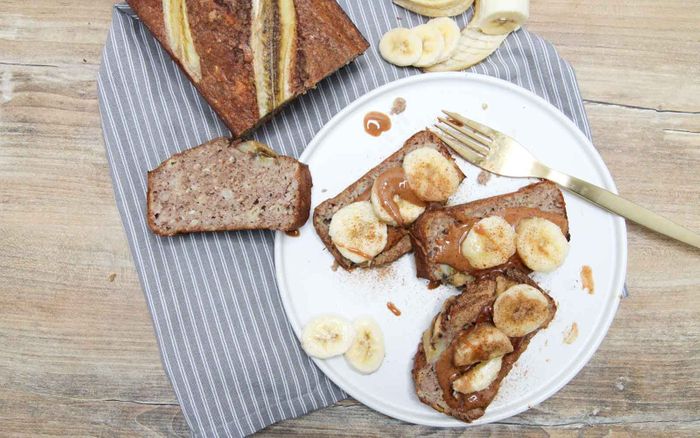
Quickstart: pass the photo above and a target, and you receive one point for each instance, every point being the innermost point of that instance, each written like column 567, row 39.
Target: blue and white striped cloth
column 226, row 345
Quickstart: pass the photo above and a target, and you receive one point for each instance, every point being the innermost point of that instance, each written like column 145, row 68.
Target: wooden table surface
column 77, row 350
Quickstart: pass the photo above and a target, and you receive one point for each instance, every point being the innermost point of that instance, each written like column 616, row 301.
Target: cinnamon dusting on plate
column 483, row 177
column 398, row 106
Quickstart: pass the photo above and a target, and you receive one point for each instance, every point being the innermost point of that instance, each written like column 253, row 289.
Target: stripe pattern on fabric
column 225, row 342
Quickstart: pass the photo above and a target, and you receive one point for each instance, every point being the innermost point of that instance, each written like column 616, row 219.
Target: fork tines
column 458, row 132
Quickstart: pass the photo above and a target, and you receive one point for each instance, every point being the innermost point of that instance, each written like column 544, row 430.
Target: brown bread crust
column 399, row 242
column 326, row 40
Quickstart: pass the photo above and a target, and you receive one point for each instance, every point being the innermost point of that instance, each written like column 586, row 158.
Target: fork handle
column 621, row 206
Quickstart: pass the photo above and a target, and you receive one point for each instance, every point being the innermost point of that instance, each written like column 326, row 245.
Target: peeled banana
column 401, row 47
column 520, row 310
column 500, row 17
column 430, row 175
column 472, row 48
column 450, row 34
column 435, row 8
column 432, row 44
column 179, row 36
column 479, row 377
column 490, row 242
column 541, row 244
column 327, row 336
column 366, row 353
column 357, row 232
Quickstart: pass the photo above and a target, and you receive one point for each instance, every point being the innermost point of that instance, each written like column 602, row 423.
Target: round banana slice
column 479, row 377
column 327, row 336
column 431, row 175
column 541, row 244
column 490, row 242
column 409, row 212
column 450, row 35
column 484, row 342
column 433, row 45
column 473, row 47
column 357, row 232
column 401, row 47
column 500, row 17
column 520, row 310
column 366, row 353
column 436, row 8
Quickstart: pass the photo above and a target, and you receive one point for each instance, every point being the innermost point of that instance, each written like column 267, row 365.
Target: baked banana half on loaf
column 366, row 225
column 249, row 57
column 472, row 344
column 228, row 185
column 527, row 229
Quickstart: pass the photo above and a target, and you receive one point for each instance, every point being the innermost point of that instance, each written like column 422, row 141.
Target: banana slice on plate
column 433, row 44
column 484, row 342
column 431, row 175
column 401, row 47
column 435, row 8
column 541, row 244
column 500, row 17
column 366, row 353
column 357, row 232
column 450, row 35
column 409, row 212
column 327, row 336
column 473, row 47
column 520, row 310
column 479, row 377
column 490, row 242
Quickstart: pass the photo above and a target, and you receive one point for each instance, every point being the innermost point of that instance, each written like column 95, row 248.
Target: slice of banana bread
column 228, row 185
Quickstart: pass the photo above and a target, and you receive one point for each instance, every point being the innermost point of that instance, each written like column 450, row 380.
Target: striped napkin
column 226, row 345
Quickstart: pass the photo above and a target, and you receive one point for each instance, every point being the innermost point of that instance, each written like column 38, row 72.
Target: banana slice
column 366, row 353
column 541, row 244
column 500, row 17
column 490, row 242
column 409, row 212
column 483, row 343
column 472, row 48
column 357, row 232
column 433, row 45
column 450, row 35
column 435, row 8
column 327, row 336
column 520, row 310
column 431, row 175
column 401, row 47
column 478, row 377
column 179, row 36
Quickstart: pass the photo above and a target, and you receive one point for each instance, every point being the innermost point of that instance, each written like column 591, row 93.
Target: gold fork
column 498, row 153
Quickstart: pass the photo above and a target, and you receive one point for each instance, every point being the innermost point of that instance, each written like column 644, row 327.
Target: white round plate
column 342, row 152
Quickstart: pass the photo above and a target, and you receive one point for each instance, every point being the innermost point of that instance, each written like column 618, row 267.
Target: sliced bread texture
column 434, row 370
column 398, row 240
column 433, row 228
column 228, row 185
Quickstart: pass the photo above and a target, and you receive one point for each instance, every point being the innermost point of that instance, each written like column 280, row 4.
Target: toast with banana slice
column 366, row 225
column 527, row 229
column 473, row 342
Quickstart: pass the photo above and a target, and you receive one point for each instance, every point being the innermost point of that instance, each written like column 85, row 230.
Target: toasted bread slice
column 542, row 199
column 458, row 316
column 398, row 242
column 228, row 185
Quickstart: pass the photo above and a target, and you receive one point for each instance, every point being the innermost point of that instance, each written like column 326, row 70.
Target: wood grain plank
column 77, row 352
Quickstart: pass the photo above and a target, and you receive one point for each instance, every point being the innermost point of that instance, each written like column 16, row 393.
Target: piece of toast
column 248, row 58
column 543, row 199
column 459, row 314
column 398, row 242
column 228, row 185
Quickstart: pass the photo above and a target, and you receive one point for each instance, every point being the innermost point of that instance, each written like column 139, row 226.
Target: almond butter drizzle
column 355, row 251
column 587, row 279
column 449, row 248
column 390, row 183
column 292, row 233
column 395, row 310
column 375, row 123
